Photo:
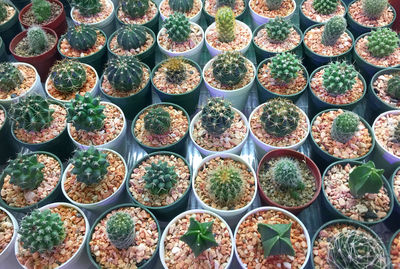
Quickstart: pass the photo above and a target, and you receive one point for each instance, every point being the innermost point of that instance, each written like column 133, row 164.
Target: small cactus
column 396, row 133
column 374, row 8
column 226, row 185
column 229, row 68
column 284, row 67
column 124, row 73
column 273, row 4
column 275, row 239
column 131, row 36
column 225, row 23
column 278, row 29
column 181, row 5
column 160, row 178
column 333, row 29
column 227, row 3
column 325, row 7
column 10, row 77
column 339, row 78
column 68, row 76
column 393, row 87
column 175, row 70
column 120, row 230
column 37, row 40
column 344, row 126
column 3, row 11
column 135, row 8
column 81, row 37
column 87, row 7
column 287, row 175
column 217, row 116
column 41, row 9
column 382, row 42
column 178, row 27
column 157, row 121
column 364, row 179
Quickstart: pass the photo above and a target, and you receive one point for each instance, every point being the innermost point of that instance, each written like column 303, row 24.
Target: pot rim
column 370, row 27
column 208, row 14
column 29, row 6
column 373, row 131
column 388, row 70
column 198, row 14
column 94, row 23
column 346, row 9
column 15, row 230
column 143, row 24
column 264, row 17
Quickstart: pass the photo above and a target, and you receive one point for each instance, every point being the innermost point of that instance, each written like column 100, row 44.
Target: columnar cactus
column 393, row 87
column 41, row 9
column 3, row 11
column 226, row 184
column 157, row 121
column 217, row 116
column 87, row 7
column 124, row 73
column 325, row 7
column 344, row 126
column 382, row 42
column 225, row 23
column 120, row 230
column 68, row 76
column 178, row 27
column 287, row 175
column 160, row 178
column 278, row 29
column 374, row 8
column 229, row 68
column 273, row 4
column 275, row 239
column 10, row 76
column 333, row 29
column 25, row 171
column 339, row 78
column 41, row 231
column 284, row 67
column 175, row 70
column 37, row 40
column 81, row 37
column 280, row 117
column 228, row 3
column 364, row 179
column 131, row 36
column 181, row 5
column 135, row 8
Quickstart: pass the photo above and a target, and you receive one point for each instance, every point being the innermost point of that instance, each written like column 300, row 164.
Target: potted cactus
column 394, row 249
column 384, row 90
column 178, row 80
column 9, row 24
column 131, row 233
column 210, row 8
column 230, row 75
column 219, row 127
column 263, row 11
column 142, row 12
column 394, row 182
column 190, row 8
column 281, row 76
column 30, row 181
column 8, row 235
column 6, row 142
column 65, row 229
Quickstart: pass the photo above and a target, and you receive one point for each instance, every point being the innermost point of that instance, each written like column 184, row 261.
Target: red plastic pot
column 265, row 200
column 59, row 24
column 42, row 62
column 396, row 5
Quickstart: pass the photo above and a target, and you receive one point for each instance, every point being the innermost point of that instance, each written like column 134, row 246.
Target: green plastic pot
column 396, row 201
column 264, row 94
column 10, row 28
column 210, row 19
column 389, row 246
column 134, row 103
column 334, row 213
column 3, row 53
column 147, row 264
column 7, row 145
column 188, row 100
column 168, row 212
column 52, row 197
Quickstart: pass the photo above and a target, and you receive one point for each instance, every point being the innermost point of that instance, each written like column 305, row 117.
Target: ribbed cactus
column 339, row 78
column 90, row 166
column 32, row 113
column 25, row 171
column 225, row 23
column 85, row 113
column 273, row 4
column 228, row 3
column 87, row 7
column 181, row 5
column 68, row 76
column 364, row 179
column 10, row 76
column 225, row 185
column 280, row 117
column 124, row 73
column 278, row 29
column 374, row 8
column 287, row 175
column 217, row 116
column 41, row 231
column 229, row 68
column 160, row 177
column 325, row 7
column 178, row 27
column 81, row 37
column 37, row 40
column 175, row 70
column 284, row 67
column 120, row 230
column 275, row 239
column 157, row 121
column 131, row 36
column 41, row 9
column 393, row 87
column 344, row 126
column 382, row 42
column 3, row 11
column 135, row 8
column 333, row 29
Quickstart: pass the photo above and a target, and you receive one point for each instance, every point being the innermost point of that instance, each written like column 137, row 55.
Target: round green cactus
column 181, row 5
column 160, row 177
column 10, row 77
column 225, row 23
column 374, row 8
column 175, row 70
column 157, row 121
column 178, row 27
column 217, row 116
column 382, row 42
column 393, row 87
column 229, row 68
column 344, row 126
column 41, row 9
column 325, row 7
column 284, row 67
column 287, row 175
column 135, row 8
column 225, row 185
column 81, row 37
column 131, row 36
column 68, row 76
column 124, row 73
column 273, row 4
column 37, row 40
column 278, row 29
column 120, row 230
column 333, row 29
column 339, row 78
column 87, row 7
column 227, row 3
column 3, row 11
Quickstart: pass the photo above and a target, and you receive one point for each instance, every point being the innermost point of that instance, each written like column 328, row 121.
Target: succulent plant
column 135, row 8
column 120, row 230
column 278, row 29
column 396, row 133
column 41, row 9
column 175, row 70
column 339, row 78
column 382, row 42
column 41, row 231
column 181, row 5
column 287, row 175
column 225, row 23
column 229, row 68
column 344, row 126
column 226, row 184
column 37, row 40
column 284, row 67
column 90, row 166
column 32, row 113
column 81, row 37
column 228, row 3
column 273, row 4
column 124, row 73
column 178, row 27
column 333, row 29
column 217, row 116
column 87, row 7
column 3, row 11
column 280, row 117
column 68, row 76
column 374, row 8
column 157, row 121
column 364, row 179
column 160, row 177
column 275, row 239
column 25, row 171
column 10, row 76
column 393, row 87
column 85, row 113
column 325, row 7
column 131, row 36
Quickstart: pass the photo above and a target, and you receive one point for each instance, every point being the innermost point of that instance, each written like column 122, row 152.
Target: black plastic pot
column 210, row 19
column 3, row 53
column 7, row 145
column 10, row 28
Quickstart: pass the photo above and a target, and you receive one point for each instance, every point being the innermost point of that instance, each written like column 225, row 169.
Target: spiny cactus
column 90, row 166
column 344, row 126
column 339, row 78
column 175, row 70
column 396, row 133
column 157, row 121
column 333, row 29
column 25, row 171
column 32, row 113
column 325, row 7
column 131, row 36
column 124, row 73
column 160, row 177
column 85, row 113
column 374, row 8
column 3, row 11
column 135, row 8
column 181, row 5
column 68, row 76
column 382, row 42
column 87, row 7
column 225, row 23
column 178, row 27
column 81, row 37
column 280, row 117
column 284, row 67
column 286, row 173
column 199, row 237
column 228, row 3
column 278, row 29
column 393, row 87
column 120, row 230
column 41, row 9
column 273, row 4
column 10, row 76
column 364, row 179
column 37, row 40
column 229, row 68
column 41, row 231
column 275, row 239
column 217, row 116
column 226, row 184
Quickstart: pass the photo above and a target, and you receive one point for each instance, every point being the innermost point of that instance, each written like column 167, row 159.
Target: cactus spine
column 393, row 87
column 278, row 29
column 81, row 37
column 87, row 7
column 41, row 9
column 284, row 67
column 157, row 121
column 364, row 179
column 10, row 76
column 339, row 78
column 175, row 70
column 3, row 11
column 225, row 23
column 287, row 175
column 275, row 239
column 333, row 29
column 135, row 8
column 344, row 126
column 68, row 76
column 273, row 4
column 120, row 230
column 382, row 42
column 131, row 36
column 374, row 8
column 217, row 116
column 181, row 5
column 160, row 178
column 178, row 27
column 37, row 40
column 225, row 186
column 229, row 68
column 124, row 73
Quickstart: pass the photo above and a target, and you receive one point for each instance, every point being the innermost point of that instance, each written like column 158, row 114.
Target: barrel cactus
column 229, row 68
column 87, row 7
column 124, row 73
column 325, row 7
column 393, row 87
column 225, row 23
column 157, row 121
column 287, row 175
column 333, row 29
column 3, row 11
column 131, row 36
column 175, row 70
column 68, row 76
column 217, row 116
column 273, row 4
column 178, row 27
column 10, row 76
column 278, row 29
column 382, row 42
column 120, row 230
column 339, row 78
column 160, row 177
column 228, row 3
column 135, row 8
column 37, row 40
column 344, row 126
column 284, row 67
column 181, row 5
column 81, row 37
column 374, row 8
column 41, row 9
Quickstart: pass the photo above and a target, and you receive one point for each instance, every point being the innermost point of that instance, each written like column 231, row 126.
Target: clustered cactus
column 87, row 7
column 131, row 36
column 41, row 9
column 273, row 4
column 81, row 37
column 37, row 40
column 10, row 76
column 275, row 239
column 120, row 230
column 325, row 7
column 178, row 27
column 333, row 29
column 68, row 76
column 160, row 177
column 225, row 23
column 175, row 70
column 124, row 73
column 393, row 87
column 157, row 121
column 3, row 11
column 228, row 3
column 382, row 42
column 278, row 29
column 217, row 116
column 229, row 68
column 181, row 5
column 41, row 231
column 287, row 175
column 364, row 179
column 374, row 8
column 135, row 8
column 344, row 126
column 284, row 67
column 339, row 78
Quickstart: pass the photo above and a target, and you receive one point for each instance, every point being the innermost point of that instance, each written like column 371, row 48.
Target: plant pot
column 396, row 24
column 259, row 19
column 187, row 100
column 59, row 24
column 389, row 247
column 396, row 207
column 8, row 251
column 195, row 18
column 211, row 18
column 7, row 145
column 10, row 28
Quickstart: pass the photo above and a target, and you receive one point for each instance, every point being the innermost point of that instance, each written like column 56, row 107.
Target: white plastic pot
column 195, row 18
column 262, row 148
column 287, row 213
column 72, row 261
column 193, row 54
column 259, row 20
column 190, row 212
column 237, row 97
column 8, row 251
column 204, row 152
column 213, row 51
column 93, row 91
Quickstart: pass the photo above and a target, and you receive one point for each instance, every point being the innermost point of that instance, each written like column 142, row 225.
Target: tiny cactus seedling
column 382, row 42
column 287, row 175
column 344, row 126
column 229, row 68
column 226, row 184
column 217, row 116
column 41, row 231
column 225, row 23
column 278, row 29
column 175, row 70
column 374, row 8
column 325, row 7
column 160, row 178
column 333, row 29
column 131, row 36
column 284, row 67
column 157, row 121
column 135, row 8
column 120, row 230
column 10, row 76
column 273, row 4
column 3, row 11
column 275, row 239
column 227, row 3
column 339, row 78
column 393, row 87
column 87, row 7
column 37, row 40
column 364, row 179
column 396, row 133
column 178, row 27
column 124, row 73
column 81, row 37
column 41, row 9
column 199, row 237
column 181, row 5
column 68, row 76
